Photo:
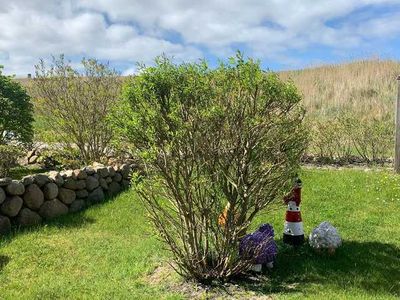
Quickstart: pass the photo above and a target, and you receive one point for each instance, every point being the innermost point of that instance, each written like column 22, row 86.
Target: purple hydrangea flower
column 259, row 246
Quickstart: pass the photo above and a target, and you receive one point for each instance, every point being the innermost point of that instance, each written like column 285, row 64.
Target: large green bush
column 73, row 105
column 15, row 112
column 209, row 138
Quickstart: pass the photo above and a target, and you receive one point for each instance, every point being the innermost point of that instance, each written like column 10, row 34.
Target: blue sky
column 283, row 34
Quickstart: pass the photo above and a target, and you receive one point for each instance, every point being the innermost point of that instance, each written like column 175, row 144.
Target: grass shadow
column 3, row 261
column 70, row 220
column 73, row 220
column 370, row 266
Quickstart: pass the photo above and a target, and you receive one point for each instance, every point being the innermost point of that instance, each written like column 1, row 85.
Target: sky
column 282, row 34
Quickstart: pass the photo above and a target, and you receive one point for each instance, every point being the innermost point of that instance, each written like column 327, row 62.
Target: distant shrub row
column 350, row 138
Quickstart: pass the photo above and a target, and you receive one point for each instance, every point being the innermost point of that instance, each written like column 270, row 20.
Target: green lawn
column 109, row 251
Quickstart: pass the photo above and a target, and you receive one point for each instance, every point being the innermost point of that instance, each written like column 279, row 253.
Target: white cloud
column 126, row 31
column 30, row 32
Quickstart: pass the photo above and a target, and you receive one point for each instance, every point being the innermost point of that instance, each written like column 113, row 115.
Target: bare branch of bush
column 74, row 105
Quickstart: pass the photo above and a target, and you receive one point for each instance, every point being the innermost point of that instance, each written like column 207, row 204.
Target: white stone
column 325, row 236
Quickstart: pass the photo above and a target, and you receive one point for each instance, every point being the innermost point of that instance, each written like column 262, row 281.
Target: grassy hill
column 364, row 87
column 350, row 109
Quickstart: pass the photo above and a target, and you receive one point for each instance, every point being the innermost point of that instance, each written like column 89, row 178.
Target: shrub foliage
column 9, row 155
column 74, row 106
column 349, row 137
column 208, row 138
column 16, row 112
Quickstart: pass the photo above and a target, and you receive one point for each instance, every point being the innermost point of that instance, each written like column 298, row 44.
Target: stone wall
column 39, row 197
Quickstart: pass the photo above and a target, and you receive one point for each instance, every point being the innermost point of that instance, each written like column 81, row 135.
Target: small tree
column 15, row 112
column 74, row 106
column 211, row 138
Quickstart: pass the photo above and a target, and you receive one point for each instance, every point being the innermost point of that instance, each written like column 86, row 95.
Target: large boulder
column 82, row 194
column 5, row 225
column 114, row 188
column 96, row 196
column 33, row 197
column 91, row 183
column 30, row 153
column 102, row 171
column 103, row 183
column 80, row 174
column 125, row 184
column 56, row 177
column 33, row 159
column 70, row 183
column 11, row 206
column 68, row 174
column 41, row 179
column 66, row 195
column 15, row 188
column 5, row 181
column 81, row 184
column 77, row 205
column 89, row 170
column 53, row 209
column 97, row 165
column 27, row 217
column 108, row 180
column 2, row 195
column 27, row 180
column 50, row 191
column 111, row 171
column 125, row 171
column 117, row 177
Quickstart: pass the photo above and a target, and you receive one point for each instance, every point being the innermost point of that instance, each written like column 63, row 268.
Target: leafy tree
column 16, row 112
column 73, row 106
column 209, row 138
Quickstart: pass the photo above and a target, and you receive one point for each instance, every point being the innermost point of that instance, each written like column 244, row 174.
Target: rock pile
column 28, row 201
column 46, row 155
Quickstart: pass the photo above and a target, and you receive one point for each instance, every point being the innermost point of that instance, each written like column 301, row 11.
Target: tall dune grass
column 350, row 109
column 367, row 88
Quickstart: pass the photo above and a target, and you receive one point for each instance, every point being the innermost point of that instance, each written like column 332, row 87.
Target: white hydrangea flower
column 325, row 236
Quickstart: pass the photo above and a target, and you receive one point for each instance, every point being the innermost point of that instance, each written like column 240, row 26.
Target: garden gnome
column 293, row 233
